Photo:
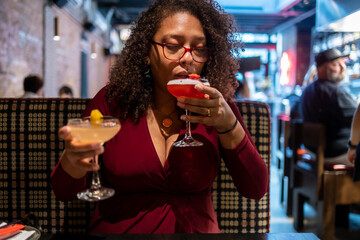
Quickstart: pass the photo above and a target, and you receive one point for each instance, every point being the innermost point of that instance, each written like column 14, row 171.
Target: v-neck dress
column 174, row 198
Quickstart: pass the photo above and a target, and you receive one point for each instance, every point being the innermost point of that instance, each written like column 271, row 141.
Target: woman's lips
column 180, row 76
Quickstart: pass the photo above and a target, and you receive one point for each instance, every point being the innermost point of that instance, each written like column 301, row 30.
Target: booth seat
column 30, row 148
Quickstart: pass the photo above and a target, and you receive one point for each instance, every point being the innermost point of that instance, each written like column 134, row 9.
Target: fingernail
column 98, row 152
column 95, row 145
column 198, row 87
column 180, row 104
column 180, row 99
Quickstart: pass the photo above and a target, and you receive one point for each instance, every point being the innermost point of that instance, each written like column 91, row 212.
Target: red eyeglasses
column 175, row 52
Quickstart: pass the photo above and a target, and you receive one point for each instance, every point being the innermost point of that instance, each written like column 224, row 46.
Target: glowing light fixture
column 285, row 65
column 56, row 29
column 93, row 54
column 125, row 34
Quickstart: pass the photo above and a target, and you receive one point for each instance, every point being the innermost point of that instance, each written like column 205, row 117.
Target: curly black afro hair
column 131, row 91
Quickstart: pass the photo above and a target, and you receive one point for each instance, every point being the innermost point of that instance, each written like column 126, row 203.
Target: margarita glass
column 85, row 131
column 186, row 88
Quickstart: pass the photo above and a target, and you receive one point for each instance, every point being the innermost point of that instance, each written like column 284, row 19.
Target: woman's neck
column 166, row 111
column 164, row 103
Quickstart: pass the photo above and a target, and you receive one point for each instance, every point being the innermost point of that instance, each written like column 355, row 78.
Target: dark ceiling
column 126, row 11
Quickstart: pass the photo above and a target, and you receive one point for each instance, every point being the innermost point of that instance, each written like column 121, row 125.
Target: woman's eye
column 173, row 47
column 200, row 50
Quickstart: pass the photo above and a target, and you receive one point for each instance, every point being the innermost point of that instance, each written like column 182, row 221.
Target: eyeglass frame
column 186, row 50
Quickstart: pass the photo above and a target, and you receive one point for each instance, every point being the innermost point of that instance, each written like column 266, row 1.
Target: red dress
column 175, row 198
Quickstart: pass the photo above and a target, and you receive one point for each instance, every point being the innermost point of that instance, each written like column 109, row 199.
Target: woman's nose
column 187, row 58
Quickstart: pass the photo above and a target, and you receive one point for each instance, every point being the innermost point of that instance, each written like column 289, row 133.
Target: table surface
column 247, row 236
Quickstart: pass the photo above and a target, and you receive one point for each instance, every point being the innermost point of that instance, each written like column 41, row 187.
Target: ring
column 208, row 112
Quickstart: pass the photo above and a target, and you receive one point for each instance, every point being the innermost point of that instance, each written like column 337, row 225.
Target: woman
column 160, row 188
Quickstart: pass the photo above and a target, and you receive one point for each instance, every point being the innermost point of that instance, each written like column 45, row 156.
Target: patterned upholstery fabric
column 237, row 214
column 30, row 148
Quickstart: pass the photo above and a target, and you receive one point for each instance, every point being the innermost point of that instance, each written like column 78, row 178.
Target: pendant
column 167, row 122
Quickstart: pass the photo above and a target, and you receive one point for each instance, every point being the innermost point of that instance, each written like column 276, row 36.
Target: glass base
column 188, row 142
column 93, row 195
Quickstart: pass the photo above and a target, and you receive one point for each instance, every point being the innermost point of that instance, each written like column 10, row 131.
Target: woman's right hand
column 77, row 157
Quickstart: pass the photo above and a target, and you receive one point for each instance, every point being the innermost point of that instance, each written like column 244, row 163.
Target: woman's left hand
column 214, row 111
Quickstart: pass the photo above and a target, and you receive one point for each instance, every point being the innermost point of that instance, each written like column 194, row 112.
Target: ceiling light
column 56, row 29
column 93, row 54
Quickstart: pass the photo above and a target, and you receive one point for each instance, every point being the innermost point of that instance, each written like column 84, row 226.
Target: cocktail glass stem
column 188, row 140
column 96, row 192
column 95, row 183
column 188, row 130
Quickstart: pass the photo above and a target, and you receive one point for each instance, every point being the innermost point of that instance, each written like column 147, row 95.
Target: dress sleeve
column 65, row 186
column 248, row 170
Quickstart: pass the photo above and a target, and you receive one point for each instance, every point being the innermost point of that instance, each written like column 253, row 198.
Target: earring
column 147, row 72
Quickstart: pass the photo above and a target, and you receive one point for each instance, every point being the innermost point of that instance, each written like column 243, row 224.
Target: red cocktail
column 186, row 88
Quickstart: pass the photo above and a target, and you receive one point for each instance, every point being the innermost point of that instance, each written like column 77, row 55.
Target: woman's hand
column 351, row 155
column 77, row 157
column 214, row 111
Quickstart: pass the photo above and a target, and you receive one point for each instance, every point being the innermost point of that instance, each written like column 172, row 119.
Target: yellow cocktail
column 89, row 134
column 86, row 130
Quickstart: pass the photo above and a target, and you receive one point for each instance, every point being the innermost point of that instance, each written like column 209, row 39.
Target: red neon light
column 285, row 65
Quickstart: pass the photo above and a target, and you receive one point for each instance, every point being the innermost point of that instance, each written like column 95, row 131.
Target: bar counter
column 223, row 236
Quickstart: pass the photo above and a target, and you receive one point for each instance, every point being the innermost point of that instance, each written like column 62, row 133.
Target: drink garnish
column 203, row 80
column 96, row 117
column 194, row 76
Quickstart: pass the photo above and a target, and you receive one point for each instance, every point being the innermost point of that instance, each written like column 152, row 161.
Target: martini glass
column 86, row 132
column 186, row 88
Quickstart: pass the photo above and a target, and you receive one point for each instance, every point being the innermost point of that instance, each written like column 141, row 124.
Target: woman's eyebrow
column 177, row 36
column 174, row 36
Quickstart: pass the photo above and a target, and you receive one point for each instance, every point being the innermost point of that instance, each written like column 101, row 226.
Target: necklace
column 167, row 121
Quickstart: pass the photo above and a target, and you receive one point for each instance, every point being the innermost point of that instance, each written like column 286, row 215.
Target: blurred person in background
column 354, row 139
column 291, row 104
column 353, row 153
column 65, row 92
column 33, row 87
column 310, row 76
column 242, row 91
column 325, row 102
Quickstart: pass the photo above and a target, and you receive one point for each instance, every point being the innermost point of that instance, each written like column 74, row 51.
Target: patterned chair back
column 237, row 214
column 30, row 148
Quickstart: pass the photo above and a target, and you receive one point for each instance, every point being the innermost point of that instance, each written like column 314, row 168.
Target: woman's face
column 181, row 28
